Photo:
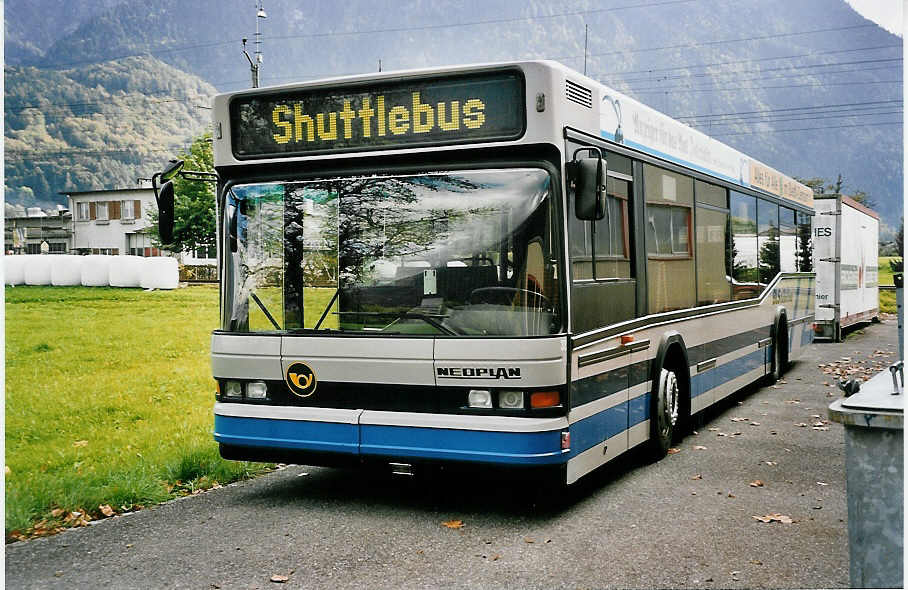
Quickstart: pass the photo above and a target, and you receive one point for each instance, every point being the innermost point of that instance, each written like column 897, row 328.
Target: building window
column 745, row 271
column 209, row 251
column 57, row 247
column 82, row 212
column 33, row 248
column 101, row 210
column 126, row 210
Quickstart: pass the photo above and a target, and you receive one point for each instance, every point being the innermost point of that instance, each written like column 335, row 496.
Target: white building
column 112, row 221
column 115, row 222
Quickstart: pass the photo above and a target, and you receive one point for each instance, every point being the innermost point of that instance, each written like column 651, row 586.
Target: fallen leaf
column 820, row 483
column 106, row 510
column 673, row 450
column 56, row 512
column 453, row 524
column 756, row 484
column 80, row 443
column 8, row 470
column 756, row 562
column 698, row 476
column 774, row 517
column 279, row 579
column 736, row 419
column 801, row 424
column 496, row 557
column 529, row 540
column 754, row 423
column 821, row 428
column 730, row 495
column 699, row 448
column 713, row 430
column 770, row 463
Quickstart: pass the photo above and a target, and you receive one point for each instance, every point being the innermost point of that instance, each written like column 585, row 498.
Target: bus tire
column 665, row 412
column 779, row 351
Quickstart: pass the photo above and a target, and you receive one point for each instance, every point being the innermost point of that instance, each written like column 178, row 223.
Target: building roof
column 142, row 189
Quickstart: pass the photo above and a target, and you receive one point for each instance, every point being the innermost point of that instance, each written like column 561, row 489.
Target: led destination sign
column 486, row 107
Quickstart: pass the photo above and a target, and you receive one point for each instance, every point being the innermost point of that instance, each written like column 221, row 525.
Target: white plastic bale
column 66, row 271
column 14, row 269
column 161, row 272
column 37, row 269
column 126, row 271
column 95, row 270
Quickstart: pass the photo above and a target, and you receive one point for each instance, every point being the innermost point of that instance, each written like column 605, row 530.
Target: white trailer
column 845, row 254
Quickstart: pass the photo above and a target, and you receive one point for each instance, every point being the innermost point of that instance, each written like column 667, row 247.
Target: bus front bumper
column 323, row 436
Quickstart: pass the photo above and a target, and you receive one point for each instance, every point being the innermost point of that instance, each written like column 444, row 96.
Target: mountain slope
column 99, row 126
column 757, row 60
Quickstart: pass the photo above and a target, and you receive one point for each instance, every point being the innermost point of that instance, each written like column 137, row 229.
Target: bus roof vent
column 579, row 94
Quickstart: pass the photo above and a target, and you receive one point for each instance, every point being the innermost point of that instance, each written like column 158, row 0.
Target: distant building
column 112, row 221
column 26, row 229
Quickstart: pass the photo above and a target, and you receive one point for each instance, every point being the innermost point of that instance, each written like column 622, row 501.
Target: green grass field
column 108, row 402
column 887, row 298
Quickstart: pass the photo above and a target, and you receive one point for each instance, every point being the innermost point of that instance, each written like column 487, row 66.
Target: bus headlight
column 256, row 390
column 510, row 400
column 233, row 389
column 479, row 398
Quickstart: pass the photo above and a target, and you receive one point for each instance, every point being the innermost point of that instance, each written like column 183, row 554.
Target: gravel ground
column 686, row 521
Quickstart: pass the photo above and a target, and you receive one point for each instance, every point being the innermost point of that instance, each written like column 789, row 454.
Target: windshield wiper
column 265, row 310
column 408, row 315
column 327, row 307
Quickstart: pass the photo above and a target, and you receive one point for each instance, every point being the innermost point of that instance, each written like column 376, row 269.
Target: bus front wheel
column 665, row 412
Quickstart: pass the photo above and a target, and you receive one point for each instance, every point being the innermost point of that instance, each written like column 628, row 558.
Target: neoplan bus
column 506, row 265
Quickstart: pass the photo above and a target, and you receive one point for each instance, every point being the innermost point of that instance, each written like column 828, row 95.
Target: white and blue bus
column 500, row 265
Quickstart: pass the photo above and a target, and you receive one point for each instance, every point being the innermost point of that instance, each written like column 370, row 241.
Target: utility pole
column 255, row 65
column 586, row 35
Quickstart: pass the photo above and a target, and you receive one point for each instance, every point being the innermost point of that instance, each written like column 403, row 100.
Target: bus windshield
column 466, row 253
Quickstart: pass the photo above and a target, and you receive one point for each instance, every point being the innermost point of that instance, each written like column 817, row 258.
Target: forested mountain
column 97, row 126
column 808, row 87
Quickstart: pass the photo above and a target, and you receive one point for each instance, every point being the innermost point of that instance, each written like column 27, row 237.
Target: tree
column 821, row 187
column 193, row 208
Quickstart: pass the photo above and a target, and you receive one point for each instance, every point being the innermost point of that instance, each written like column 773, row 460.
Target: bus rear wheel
column 665, row 411
column 779, row 353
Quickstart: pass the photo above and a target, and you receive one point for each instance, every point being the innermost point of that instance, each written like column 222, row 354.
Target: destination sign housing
column 421, row 112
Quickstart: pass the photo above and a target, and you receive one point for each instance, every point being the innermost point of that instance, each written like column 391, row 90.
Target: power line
column 405, row 29
column 794, row 118
column 114, row 100
column 741, row 61
column 732, row 89
column 777, row 69
column 809, row 129
column 778, row 77
column 845, row 104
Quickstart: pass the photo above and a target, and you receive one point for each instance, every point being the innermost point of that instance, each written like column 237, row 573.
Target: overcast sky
column 888, row 14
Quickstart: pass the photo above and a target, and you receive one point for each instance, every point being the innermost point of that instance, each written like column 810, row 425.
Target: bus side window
column 670, row 263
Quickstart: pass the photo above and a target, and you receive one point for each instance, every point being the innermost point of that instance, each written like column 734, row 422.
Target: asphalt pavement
column 685, row 521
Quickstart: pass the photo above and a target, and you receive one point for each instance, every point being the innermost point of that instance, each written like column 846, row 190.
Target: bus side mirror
column 165, row 213
column 588, row 177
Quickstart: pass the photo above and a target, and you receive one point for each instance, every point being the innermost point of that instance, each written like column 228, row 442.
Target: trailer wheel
column 664, row 412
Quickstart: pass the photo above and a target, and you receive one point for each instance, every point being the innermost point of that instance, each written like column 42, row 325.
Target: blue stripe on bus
column 526, row 448
column 704, row 382
column 522, row 448
column 286, row 434
column 591, row 431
